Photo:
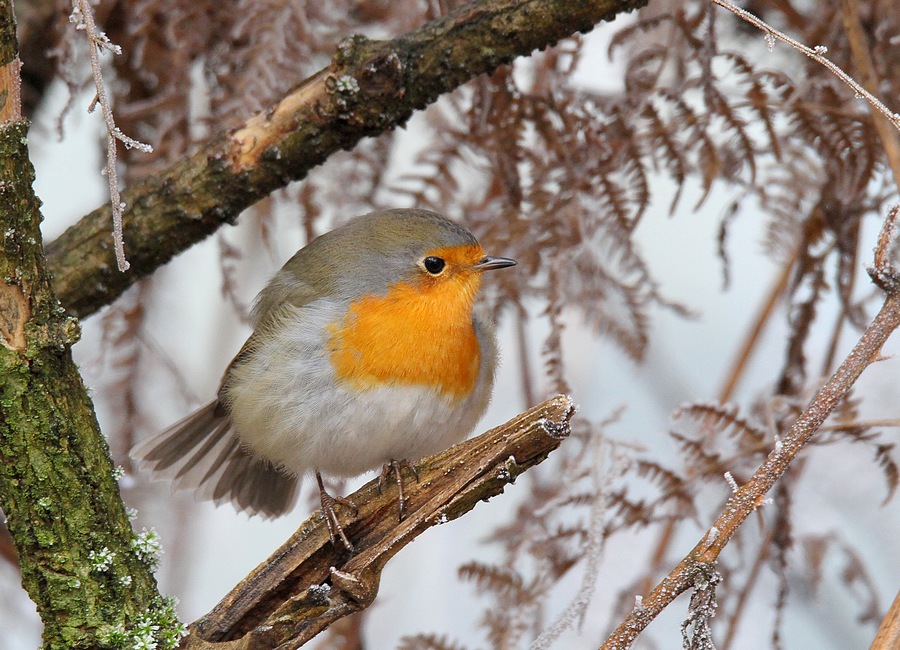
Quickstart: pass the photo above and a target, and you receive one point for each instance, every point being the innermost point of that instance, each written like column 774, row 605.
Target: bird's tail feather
column 202, row 453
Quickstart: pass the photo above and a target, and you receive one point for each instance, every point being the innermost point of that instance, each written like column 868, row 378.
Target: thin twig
column 83, row 18
column 751, row 495
column 611, row 464
column 883, row 272
column 816, row 53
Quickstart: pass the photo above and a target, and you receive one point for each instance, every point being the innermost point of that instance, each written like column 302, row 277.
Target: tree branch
column 699, row 564
column 309, row 583
column 369, row 87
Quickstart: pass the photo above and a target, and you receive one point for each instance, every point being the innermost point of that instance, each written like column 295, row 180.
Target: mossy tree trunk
column 89, row 574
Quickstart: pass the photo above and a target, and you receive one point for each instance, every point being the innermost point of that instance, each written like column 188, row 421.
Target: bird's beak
column 488, row 263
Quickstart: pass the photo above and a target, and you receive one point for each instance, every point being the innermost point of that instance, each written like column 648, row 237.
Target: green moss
column 158, row 629
column 74, row 540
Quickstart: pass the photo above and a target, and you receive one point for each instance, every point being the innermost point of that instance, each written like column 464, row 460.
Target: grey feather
column 202, row 453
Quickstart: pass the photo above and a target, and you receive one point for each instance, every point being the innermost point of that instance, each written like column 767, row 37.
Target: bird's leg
column 328, row 503
column 394, row 467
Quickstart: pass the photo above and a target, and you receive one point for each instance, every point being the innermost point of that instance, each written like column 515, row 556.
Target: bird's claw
column 394, row 467
column 335, row 531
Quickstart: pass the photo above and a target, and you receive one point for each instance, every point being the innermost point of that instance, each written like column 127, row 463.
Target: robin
column 366, row 351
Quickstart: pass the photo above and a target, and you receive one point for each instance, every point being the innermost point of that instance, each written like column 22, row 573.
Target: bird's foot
column 394, row 467
column 335, row 531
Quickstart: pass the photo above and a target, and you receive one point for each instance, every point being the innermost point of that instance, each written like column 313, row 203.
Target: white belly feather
column 286, row 406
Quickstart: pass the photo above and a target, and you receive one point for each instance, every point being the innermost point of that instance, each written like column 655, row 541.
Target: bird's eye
column 433, row 265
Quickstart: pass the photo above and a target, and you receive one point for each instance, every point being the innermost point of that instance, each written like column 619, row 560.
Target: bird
column 367, row 350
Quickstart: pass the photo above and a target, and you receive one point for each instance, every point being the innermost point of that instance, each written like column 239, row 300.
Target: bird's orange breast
column 418, row 333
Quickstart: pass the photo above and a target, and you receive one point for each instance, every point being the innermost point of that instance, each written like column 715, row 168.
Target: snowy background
column 208, row 550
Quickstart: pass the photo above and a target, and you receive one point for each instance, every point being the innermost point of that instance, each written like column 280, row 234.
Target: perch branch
column 369, row 87
column 309, row 583
column 750, row 496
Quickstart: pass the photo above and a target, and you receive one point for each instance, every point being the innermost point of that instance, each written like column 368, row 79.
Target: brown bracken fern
column 562, row 176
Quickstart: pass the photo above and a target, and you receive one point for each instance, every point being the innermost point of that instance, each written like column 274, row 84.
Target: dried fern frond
column 428, row 642
column 713, row 420
column 502, row 581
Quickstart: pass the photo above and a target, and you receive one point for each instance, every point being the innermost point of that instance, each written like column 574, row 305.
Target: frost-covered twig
column 695, row 630
column 883, row 272
column 816, row 53
column 83, row 18
column 611, row 464
column 751, row 495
